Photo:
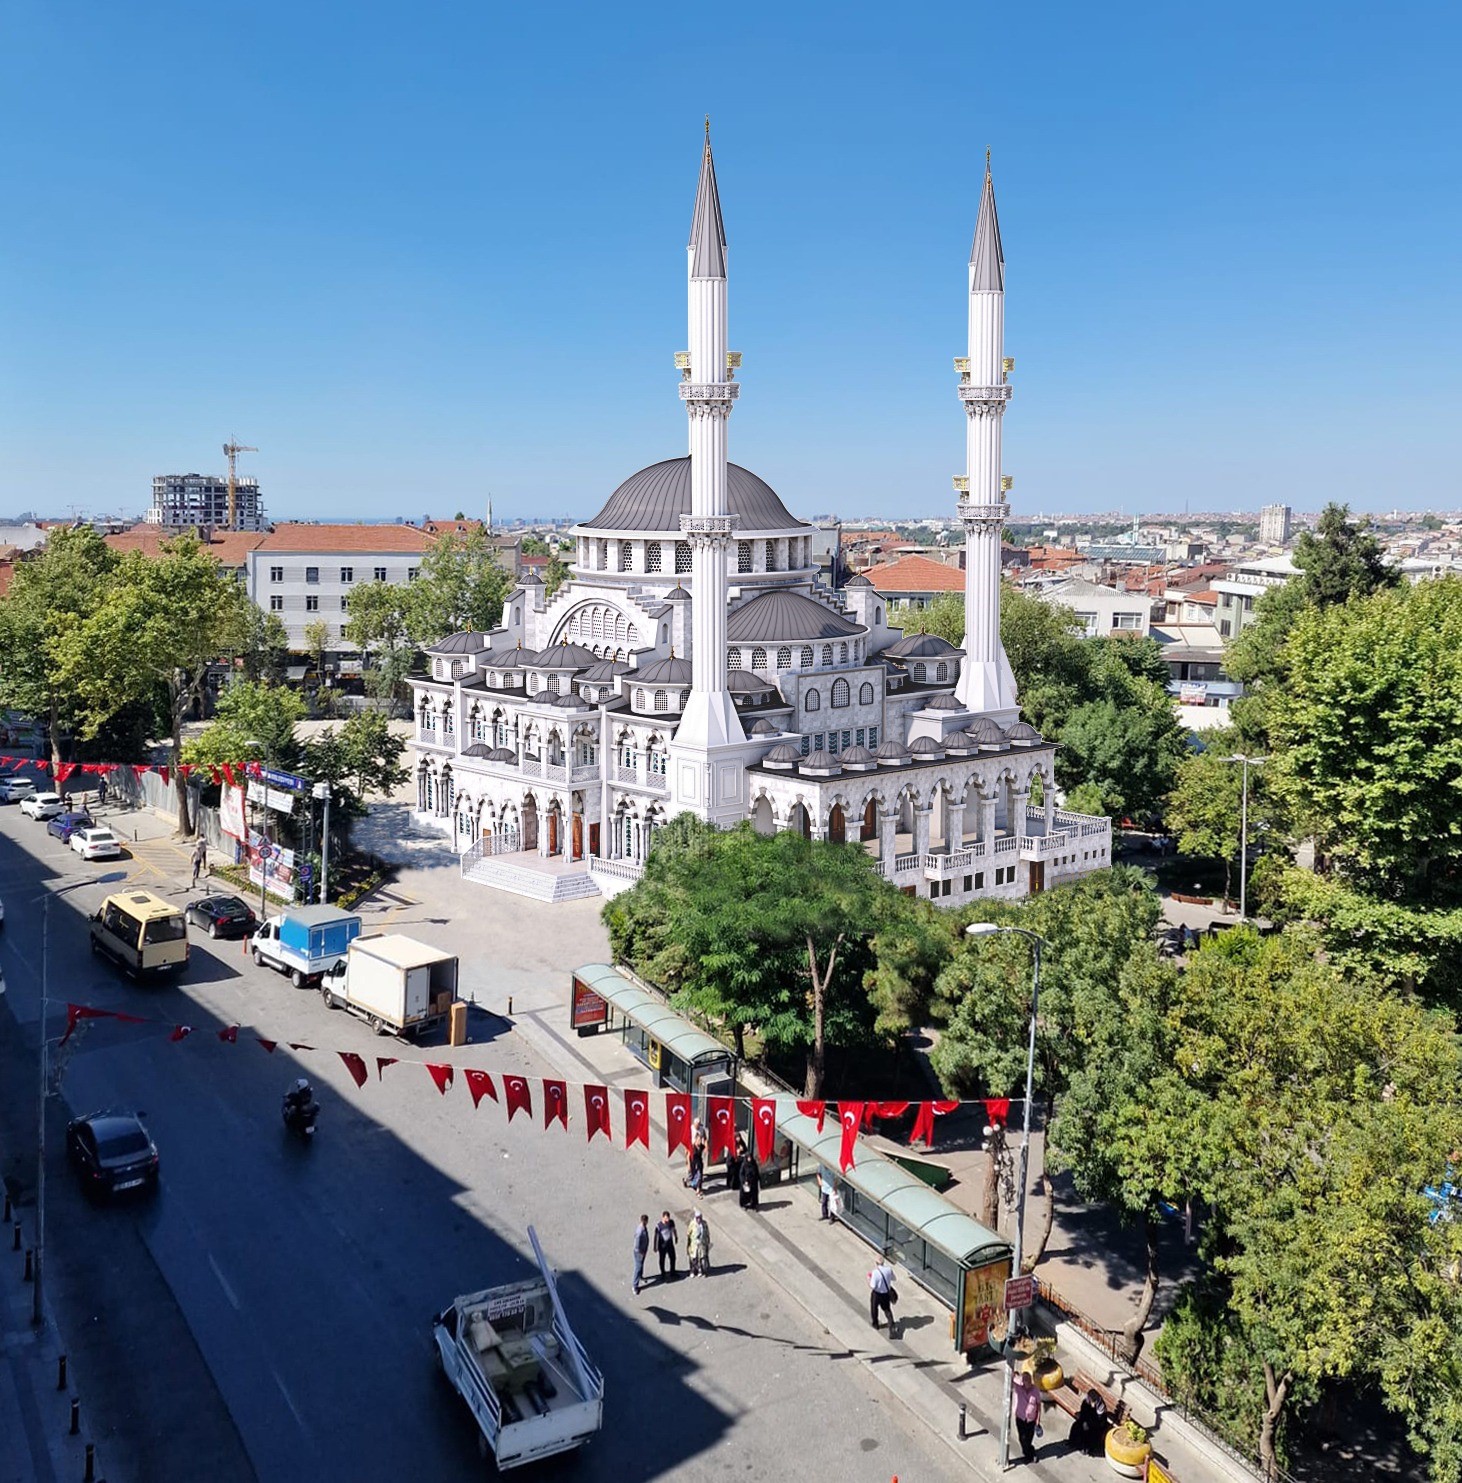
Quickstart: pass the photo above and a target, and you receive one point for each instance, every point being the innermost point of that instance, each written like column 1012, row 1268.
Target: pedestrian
column 641, row 1251
column 734, row 1160
column 825, row 1189
column 750, row 1183
column 666, row 1238
column 881, row 1293
column 695, row 1168
column 101, row 792
column 66, row 800
column 1027, row 1414
column 698, row 1246
column 200, row 860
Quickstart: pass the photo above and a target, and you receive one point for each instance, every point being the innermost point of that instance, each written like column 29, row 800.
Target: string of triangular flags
column 228, row 772
column 853, row 1117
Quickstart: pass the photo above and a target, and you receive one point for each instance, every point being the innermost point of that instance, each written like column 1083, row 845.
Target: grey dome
column 820, row 762
column 943, row 703
column 926, row 746
column 655, row 498
column 677, row 594
column 466, row 642
column 785, row 616
column 508, row 659
column 569, row 701
column 858, row 581
column 785, row 755
column 502, row 754
column 892, row 752
column 986, row 732
column 670, row 671
column 564, row 656
column 1022, row 731
column 605, row 670
column 748, row 682
column 477, row 749
column 961, row 741
column 922, row 646
column 857, row 757
column 765, row 728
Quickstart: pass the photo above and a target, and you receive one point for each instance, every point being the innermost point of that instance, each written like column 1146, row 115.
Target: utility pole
column 231, row 451
column 1247, row 762
column 322, row 790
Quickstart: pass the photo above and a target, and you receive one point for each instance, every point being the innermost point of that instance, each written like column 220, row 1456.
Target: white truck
column 510, row 1354
column 394, row 983
column 304, row 941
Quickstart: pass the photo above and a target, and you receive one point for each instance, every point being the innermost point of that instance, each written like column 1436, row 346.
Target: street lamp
column 254, row 745
column 38, row 1301
column 991, row 929
column 1244, row 831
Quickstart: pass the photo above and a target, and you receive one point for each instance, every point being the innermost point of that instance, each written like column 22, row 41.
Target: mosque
column 695, row 662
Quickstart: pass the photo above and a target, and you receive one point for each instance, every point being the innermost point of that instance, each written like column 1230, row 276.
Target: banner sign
column 281, row 803
column 981, row 1301
column 588, row 1010
column 284, row 780
column 271, row 867
column 231, row 813
column 1191, row 694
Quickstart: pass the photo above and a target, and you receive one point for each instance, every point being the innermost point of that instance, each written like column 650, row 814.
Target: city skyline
column 404, row 273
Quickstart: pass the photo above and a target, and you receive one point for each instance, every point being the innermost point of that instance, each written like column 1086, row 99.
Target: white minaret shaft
column 708, row 391
column 985, row 682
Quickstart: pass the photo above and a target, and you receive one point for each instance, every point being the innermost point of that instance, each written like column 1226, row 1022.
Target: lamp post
column 991, row 929
column 38, row 1300
column 255, row 745
column 1248, row 762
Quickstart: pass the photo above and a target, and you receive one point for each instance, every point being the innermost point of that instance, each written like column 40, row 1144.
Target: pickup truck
column 394, row 983
column 305, row 941
column 509, row 1352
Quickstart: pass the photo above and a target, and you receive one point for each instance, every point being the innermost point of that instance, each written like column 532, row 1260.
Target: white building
column 1275, row 523
column 1102, row 610
column 1243, row 586
column 695, row 662
column 181, row 500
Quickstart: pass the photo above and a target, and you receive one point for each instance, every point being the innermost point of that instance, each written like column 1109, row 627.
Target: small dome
column 1022, row 731
column 922, row 646
column 748, row 682
column 569, row 702
column 529, row 578
column 502, row 754
column 859, row 581
column 477, row 749
column 564, row 656
column 785, row 755
column 765, row 728
column 857, row 757
column 466, row 642
column 820, row 762
column 984, row 731
column 605, row 670
column 507, row 659
column 960, row 741
column 778, row 617
column 942, row 703
column 671, row 671
column 892, row 754
column 677, row 594
column 926, row 748
column 655, row 498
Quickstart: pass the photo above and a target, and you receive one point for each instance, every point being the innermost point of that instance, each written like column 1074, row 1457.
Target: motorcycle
column 300, row 1120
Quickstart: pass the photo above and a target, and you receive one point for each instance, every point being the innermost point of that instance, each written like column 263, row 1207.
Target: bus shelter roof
column 676, row 1033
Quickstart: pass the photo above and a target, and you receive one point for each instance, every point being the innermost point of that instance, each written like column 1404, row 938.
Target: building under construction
column 202, row 499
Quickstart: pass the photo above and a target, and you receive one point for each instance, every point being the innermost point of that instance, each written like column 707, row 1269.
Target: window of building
column 733, row 659
column 347, row 574
column 819, row 743
column 979, row 880
column 804, row 660
column 652, row 557
column 842, row 653
column 603, row 561
column 344, row 604
column 865, row 694
column 827, row 654
column 660, row 700
column 813, row 701
column 276, row 574
column 380, row 574
column 806, row 745
column 1224, row 627
column 967, row 882
column 861, row 736
column 655, row 761
column 784, row 658
column 941, row 672
column 743, row 556
column 412, row 572
column 1127, row 622
column 872, row 737
column 682, row 556
column 312, row 604
column 840, row 696
column 625, row 556
column 639, row 700
column 832, row 743
column 758, row 658
column 276, row 604
column 771, row 556
column 312, row 574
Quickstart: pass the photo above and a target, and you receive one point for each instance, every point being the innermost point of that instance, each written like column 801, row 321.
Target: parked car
column 96, row 844
column 223, row 916
column 113, row 1152
column 15, row 787
column 63, row 826
column 42, row 805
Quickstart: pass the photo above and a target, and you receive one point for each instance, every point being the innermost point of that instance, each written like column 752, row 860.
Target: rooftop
column 300, row 536
column 916, row 574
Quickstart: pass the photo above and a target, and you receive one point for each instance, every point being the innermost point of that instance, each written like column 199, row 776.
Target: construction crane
column 232, row 451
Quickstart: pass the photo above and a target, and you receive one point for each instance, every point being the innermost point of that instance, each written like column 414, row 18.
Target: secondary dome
column 656, row 498
column 777, row 616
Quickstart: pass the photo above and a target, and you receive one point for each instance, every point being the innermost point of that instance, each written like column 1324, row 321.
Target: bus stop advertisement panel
column 981, row 1304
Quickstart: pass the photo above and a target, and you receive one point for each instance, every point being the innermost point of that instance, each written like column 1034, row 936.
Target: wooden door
column 1038, row 876
column 594, row 840
column 553, row 832
column 578, row 835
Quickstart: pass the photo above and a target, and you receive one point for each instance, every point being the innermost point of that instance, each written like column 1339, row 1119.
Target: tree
column 1341, row 559
column 944, row 618
column 376, row 624
column 317, row 640
column 1129, row 749
column 266, row 647
column 1205, row 807
column 165, row 621
column 460, row 585
column 51, row 597
column 253, row 722
column 554, row 576
column 361, row 759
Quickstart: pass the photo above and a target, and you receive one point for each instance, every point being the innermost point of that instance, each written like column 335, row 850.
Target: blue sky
column 422, row 253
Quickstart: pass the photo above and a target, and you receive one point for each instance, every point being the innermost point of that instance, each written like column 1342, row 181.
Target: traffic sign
column 1020, row 1292
column 285, row 780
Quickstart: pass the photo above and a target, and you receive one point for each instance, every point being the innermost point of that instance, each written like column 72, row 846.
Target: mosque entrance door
column 578, row 836
column 530, row 824
column 837, row 828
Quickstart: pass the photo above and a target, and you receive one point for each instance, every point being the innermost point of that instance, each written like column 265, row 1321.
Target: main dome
column 656, row 498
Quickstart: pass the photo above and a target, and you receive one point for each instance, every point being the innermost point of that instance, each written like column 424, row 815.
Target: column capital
column 709, row 391
column 708, row 530
column 984, row 401
column 980, row 518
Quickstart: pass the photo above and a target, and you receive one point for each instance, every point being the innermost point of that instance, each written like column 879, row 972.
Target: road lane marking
column 230, row 1294
column 289, row 1401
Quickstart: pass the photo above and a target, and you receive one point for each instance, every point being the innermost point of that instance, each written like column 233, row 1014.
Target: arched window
column 840, row 696
column 682, row 556
column 758, row 658
column 813, row 701
column 784, row 658
column 733, row 659
column 842, row 653
column 878, row 615
column 659, row 700
column 941, row 671
column 827, row 654
column 771, row 556
column 804, row 660
column 652, row 557
column 865, row 695
column 639, row 700
column 626, row 556
column 743, row 556
column 920, row 671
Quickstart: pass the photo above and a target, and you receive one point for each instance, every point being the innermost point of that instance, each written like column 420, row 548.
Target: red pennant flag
column 229, row 1033
column 267, row 1044
column 890, row 1109
column 185, row 768
column 89, row 768
column 138, row 768
column 555, row 1103
column 180, row 1032
column 924, row 1121
column 355, row 1065
column 299, row 1045
column 814, row 1109
column 636, row 1118
column 213, row 773
column 519, row 1096
column 441, row 1074
column 228, row 772
column 677, row 1119
column 764, row 1120
column 723, row 1127
column 850, row 1114
column 596, row 1112
column 44, row 764
column 166, row 775
column 75, row 1012
column 382, row 1062
column 997, row 1109
column 479, row 1083
column 64, row 771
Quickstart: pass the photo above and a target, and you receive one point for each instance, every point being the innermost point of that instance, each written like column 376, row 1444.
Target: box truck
column 394, row 983
column 305, row 941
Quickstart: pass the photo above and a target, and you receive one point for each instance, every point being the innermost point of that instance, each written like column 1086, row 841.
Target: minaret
column 986, row 684
column 707, row 774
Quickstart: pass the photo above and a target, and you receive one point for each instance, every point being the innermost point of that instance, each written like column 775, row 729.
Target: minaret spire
column 707, row 231
column 987, row 261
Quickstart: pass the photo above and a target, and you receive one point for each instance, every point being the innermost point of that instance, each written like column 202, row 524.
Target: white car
column 15, row 787
column 42, row 805
column 96, row 844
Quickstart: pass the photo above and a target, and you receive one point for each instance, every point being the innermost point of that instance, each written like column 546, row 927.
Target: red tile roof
column 916, row 574
column 230, row 547
column 301, row 536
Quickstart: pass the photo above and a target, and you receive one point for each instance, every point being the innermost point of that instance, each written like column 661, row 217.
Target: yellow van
column 141, row 933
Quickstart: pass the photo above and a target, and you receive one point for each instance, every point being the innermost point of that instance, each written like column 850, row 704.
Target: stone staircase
column 538, row 885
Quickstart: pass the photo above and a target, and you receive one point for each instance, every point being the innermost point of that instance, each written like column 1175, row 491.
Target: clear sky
column 420, row 253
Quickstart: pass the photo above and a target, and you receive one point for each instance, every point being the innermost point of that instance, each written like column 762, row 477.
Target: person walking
column 698, row 1246
column 734, row 1161
column 200, row 860
column 825, row 1189
column 881, row 1293
column 640, row 1252
column 666, row 1238
column 695, row 1168
column 750, row 1182
column 101, row 792
column 1027, row 1413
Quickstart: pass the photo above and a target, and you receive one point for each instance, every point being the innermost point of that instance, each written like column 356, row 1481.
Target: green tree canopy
column 252, row 722
column 377, row 624
column 1341, row 559
column 362, row 758
column 461, row 585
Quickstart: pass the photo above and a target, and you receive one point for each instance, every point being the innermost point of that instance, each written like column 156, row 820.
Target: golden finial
column 987, row 159
column 708, row 128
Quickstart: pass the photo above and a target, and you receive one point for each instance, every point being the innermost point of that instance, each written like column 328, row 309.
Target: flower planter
column 1046, row 1372
column 1126, row 1457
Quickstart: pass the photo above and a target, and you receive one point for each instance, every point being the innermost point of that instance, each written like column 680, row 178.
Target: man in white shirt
column 881, row 1293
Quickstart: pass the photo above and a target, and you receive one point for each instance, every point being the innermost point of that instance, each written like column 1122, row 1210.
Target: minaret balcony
column 969, row 393
column 708, row 525
column 709, row 391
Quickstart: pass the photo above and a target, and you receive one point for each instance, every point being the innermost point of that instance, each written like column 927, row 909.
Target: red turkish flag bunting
column 64, row 771
column 229, row 1033
column 637, row 1118
column 519, row 1096
column 355, row 1065
column 167, row 776
column 814, row 1109
column 924, row 1121
column 213, row 773
column 180, row 1032
column 300, row 1045
column 723, row 1127
column 44, row 763
column 596, row 1112
column 555, row 1103
column 267, row 1044
column 382, row 1062
column 479, row 1083
column 228, row 772
column 764, row 1119
column 75, row 1012
column 677, row 1120
column 891, row 1109
column 138, row 769
column 441, row 1074
column 850, row 1114
column 997, row 1109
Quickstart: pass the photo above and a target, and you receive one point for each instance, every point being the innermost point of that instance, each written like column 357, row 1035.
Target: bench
column 1070, row 1396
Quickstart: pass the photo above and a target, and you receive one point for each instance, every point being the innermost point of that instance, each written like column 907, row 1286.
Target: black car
column 112, row 1152
column 63, row 826
column 223, row 916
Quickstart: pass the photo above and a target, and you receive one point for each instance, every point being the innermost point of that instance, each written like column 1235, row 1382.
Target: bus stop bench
column 1070, row 1396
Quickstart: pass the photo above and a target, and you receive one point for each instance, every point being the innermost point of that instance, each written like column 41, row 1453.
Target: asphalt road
column 267, row 1315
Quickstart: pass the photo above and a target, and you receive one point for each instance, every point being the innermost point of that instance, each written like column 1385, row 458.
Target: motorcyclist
column 299, row 1098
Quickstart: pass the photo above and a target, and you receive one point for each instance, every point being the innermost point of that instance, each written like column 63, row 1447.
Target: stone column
column 1048, row 802
column 888, row 828
column 1019, row 801
column 921, row 829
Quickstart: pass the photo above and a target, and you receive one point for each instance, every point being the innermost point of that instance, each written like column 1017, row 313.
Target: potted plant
column 1042, row 1365
column 1128, row 1449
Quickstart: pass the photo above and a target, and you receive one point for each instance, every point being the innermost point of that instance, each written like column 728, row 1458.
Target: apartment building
column 202, row 500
